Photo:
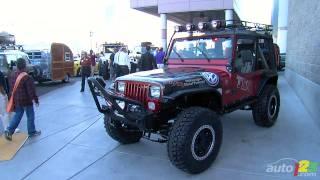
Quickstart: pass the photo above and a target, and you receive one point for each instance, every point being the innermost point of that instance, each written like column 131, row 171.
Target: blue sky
column 37, row 23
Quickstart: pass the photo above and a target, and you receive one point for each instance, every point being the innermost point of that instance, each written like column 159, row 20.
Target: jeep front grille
column 137, row 91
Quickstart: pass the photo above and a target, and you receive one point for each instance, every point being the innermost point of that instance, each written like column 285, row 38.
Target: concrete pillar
column 163, row 18
column 228, row 16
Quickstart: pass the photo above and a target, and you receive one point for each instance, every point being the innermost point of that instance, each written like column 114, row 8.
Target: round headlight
column 155, row 91
column 121, row 86
column 201, row 26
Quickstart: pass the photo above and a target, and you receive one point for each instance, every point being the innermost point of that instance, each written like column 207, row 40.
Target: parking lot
column 74, row 144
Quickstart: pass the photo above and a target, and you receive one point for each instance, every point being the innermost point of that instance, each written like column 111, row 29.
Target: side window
column 3, row 62
column 245, row 56
column 67, row 56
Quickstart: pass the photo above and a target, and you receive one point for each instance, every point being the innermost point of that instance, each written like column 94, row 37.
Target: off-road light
column 202, row 26
column 190, row 27
column 155, row 91
column 121, row 104
column 178, row 28
column 217, row 24
column 151, row 106
column 121, row 86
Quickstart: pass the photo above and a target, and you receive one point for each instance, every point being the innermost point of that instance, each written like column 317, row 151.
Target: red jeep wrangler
column 211, row 69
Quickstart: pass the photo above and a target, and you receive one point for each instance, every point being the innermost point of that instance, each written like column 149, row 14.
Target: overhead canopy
column 185, row 11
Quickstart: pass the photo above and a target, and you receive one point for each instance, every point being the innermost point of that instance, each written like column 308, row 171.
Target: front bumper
column 140, row 118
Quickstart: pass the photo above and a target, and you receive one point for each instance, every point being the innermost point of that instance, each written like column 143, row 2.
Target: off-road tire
column 260, row 110
column 124, row 135
column 183, row 134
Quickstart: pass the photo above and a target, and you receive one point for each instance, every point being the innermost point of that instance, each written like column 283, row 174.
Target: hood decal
column 211, row 78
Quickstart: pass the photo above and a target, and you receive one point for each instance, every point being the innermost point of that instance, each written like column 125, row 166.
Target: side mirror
column 229, row 68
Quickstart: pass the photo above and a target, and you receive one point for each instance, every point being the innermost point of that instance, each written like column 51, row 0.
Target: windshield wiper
column 178, row 55
column 204, row 54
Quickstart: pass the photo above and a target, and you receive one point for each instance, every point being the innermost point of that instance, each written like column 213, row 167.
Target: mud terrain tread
column 179, row 134
column 259, row 110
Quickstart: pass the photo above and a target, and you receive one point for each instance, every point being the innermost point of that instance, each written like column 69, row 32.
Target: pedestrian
column 122, row 61
column 148, row 61
column 92, row 57
column 134, row 64
column 85, row 63
column 101, row 65
column 4, row 116
column 23, row 94
column 159, row 58
column 112, row 65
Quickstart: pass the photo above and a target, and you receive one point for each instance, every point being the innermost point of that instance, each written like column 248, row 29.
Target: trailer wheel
column 66, row 78
column 195, row 139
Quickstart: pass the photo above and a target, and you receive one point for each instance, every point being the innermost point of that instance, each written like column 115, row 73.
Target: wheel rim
column 272, row 106
column 66, row 78
column 203, row 142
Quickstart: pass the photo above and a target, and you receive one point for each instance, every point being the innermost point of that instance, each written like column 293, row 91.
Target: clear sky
column 37, row 23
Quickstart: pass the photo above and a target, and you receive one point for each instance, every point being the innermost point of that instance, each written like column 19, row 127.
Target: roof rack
column 248, row 25
column 218, row 25
column 11, row 47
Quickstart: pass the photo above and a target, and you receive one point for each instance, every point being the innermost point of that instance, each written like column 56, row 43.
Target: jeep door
column 244, row 77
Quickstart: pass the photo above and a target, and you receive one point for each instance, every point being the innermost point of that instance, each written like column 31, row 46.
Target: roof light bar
column 203, row 26
column 217, row 24
column 190, row 27
column 179, row 28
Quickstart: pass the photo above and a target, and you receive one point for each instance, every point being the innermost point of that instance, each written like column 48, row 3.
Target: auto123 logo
column 211, row 78
column 293, row 167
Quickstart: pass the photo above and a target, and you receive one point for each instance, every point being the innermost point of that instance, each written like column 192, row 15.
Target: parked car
column 282, row 63
column 76, row 65
column 213, row 70
column 53, row 65
column 8, row 58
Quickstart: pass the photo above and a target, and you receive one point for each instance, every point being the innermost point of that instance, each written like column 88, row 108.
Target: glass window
column 11, row 58
column 2, row 60
column 67, row 56
column 204, row 48
column 245, row 56
column 30, row 55
column 37, row 55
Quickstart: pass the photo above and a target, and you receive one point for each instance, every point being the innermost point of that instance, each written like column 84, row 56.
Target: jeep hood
column 177, row 79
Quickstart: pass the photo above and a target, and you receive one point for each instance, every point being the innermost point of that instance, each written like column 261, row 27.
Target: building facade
column 303, row 53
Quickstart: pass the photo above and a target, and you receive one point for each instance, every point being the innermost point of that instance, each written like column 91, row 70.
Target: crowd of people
column 18, row 92
column 119, row 63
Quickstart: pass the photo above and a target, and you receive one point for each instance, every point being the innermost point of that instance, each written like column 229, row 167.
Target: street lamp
column 91, row 34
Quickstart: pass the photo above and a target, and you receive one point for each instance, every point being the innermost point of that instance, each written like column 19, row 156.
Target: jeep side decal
column 211, row 78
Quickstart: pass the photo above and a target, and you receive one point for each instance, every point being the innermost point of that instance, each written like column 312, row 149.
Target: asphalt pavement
column 74, row 144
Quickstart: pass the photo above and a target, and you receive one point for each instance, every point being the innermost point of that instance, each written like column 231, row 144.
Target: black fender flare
column 269, row 79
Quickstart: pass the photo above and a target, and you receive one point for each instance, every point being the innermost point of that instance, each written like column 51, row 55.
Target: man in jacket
column 23, row 97
column 148, row 61
column 85, row 69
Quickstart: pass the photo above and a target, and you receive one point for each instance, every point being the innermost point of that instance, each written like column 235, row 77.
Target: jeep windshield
column 202, row 49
